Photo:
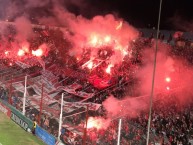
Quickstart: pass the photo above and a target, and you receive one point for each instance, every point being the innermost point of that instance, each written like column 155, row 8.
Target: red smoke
column 101, row 32
column 23, row 28
column 127, row 107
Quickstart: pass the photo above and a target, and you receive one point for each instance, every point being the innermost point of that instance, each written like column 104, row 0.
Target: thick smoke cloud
column 83, row 33
column 173, row 76
column 23, row 28
column 101, row 27
column 128, row 107
column 92, row 33
column 164, row 67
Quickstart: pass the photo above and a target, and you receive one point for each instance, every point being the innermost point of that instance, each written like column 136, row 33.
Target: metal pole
column 85, row 129
column 10, row 90
column 119, row 132
column 24, row 96
column 41, row 103
column 60, row 120
column 153, row 77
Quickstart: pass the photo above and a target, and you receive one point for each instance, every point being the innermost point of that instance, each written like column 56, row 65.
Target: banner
column 20, row 121
column 5, row 109
column 19, row 115
column 45, row 136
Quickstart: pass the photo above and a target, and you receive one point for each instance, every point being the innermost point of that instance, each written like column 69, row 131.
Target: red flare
column 38, row 52
column 108, row 70
column 20, row 52
column 90, row 65
column 168, row 79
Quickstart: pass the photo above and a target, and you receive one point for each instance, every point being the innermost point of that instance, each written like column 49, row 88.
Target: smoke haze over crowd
column 102, row 32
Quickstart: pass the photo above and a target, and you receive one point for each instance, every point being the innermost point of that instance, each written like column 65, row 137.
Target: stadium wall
column 25, row 123
column 5, row 109
column 45, row 136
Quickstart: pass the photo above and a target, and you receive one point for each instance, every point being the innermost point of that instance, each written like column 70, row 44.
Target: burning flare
column 168, row 79
column 38, row 52
column 90, row 65
column 108, row 70
column 6, row 53
column 98, row 123
column 21, row 52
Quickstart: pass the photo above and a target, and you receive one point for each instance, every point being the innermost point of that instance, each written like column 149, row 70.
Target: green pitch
column 12, row 134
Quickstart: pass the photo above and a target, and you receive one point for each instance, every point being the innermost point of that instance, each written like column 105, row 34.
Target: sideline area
column 12, row 134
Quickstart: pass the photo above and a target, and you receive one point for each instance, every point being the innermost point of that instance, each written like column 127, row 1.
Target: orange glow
column 97, row 40
column 107, row 39
column 94, row 40
column 95, row 123
column 90, row 65
column 6, row 53
column 108, row 70
column 25, row 48
column 111, row 40
column 20, row 52
column 124, row 52
column 38, row 52
column 168, row 79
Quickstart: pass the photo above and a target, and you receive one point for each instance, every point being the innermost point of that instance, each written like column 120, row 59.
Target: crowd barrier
column 45, row 136
column 19, row 118
column 25, row 123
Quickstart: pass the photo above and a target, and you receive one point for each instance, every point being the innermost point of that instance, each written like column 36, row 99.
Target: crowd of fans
column 171, row 119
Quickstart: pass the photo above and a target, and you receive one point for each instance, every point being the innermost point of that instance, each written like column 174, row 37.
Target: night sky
column 140, row 13
column 176, row 14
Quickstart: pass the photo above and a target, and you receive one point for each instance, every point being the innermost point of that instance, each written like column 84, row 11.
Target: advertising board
column 5, row 109
column 45, row 136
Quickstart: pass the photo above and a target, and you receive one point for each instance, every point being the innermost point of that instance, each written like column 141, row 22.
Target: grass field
column 12, row 134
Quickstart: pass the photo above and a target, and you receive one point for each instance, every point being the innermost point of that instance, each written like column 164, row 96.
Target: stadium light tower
column 153, row 76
